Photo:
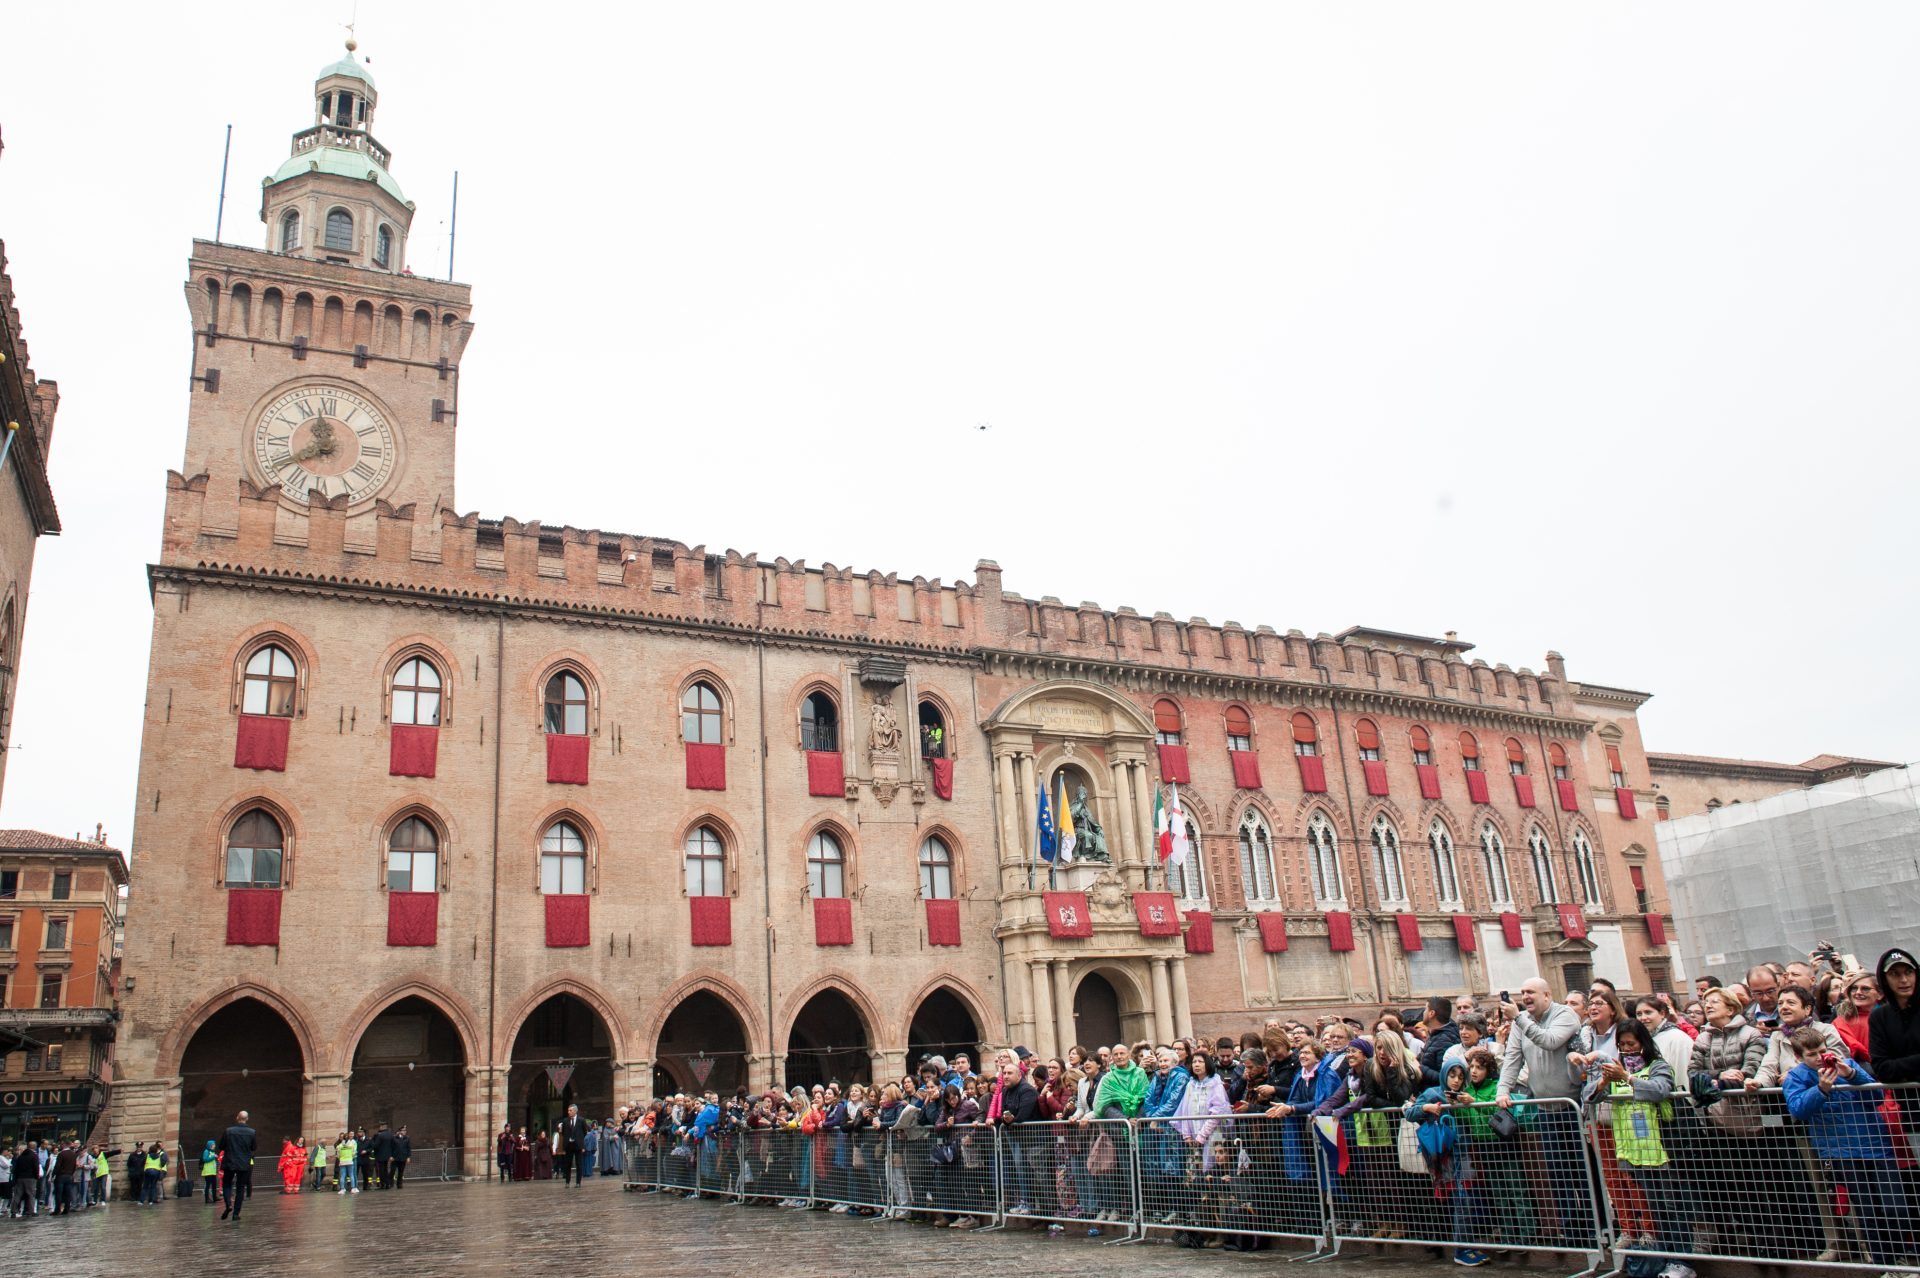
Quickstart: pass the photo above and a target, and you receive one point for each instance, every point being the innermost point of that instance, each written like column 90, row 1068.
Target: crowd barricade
column 1243, row 1177
column 1068, row 1173
column 1742, row 1179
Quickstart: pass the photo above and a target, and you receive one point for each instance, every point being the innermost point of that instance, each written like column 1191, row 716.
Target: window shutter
column 1166, row 716
column 1304, row 728
column 1239, row 722
column 1368, row 734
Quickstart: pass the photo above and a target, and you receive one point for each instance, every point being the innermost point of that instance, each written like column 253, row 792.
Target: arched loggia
column 247, row 1057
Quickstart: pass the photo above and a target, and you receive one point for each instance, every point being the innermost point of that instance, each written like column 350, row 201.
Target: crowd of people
column 1748, row 1124
column 577, row 1148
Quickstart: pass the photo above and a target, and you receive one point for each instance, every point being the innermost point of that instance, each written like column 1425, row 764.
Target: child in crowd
column 1835, row 1097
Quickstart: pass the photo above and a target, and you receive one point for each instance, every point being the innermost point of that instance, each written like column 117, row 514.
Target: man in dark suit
column 236, row 1160
column 383, row 1158
column 573, row 1143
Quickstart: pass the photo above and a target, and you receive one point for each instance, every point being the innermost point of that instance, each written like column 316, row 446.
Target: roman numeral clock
column 325, row 438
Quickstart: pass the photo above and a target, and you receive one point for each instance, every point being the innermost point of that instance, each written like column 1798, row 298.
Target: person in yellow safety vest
column 319, row 1164
column 103, row 1175
column 1637, row 1087
column 346, row 1155
column 209, row 1174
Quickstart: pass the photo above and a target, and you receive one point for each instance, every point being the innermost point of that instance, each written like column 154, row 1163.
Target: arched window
column 1256, row 861
column 1239, row 728
column 933, row 731
column 1387, row 865
column 339, row 229
column 1166, row 722
column 700, row 715
column 1446, row 870
column 270, row 682
column 1583, row 864
column 1306, row 734
column 1188, row 880
column 1516, row 757
column 1493, row 849
column 826, row 866
column 566, row 705
column 1557, row 757
column 1616, row 769
column 1422, row 742
column 1540, row 853
column 383, row 246
column 706, row 863
column 416, row 693
column 1367, row 737
column 1469, row 752
column 563, row 860
column 936, row 869
column 819, row 724
column 290, row 232
column 1323, row 850
column 413, row 857
column 255, row 849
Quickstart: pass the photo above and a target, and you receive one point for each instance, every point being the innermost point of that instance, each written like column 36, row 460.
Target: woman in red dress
column 542, row 1156
column 522, row 1157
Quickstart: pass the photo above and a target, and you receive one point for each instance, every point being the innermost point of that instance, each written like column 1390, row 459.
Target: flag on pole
column 1045, row 841
column 1162, row 829
column 1067, row 837
column 1178, row 820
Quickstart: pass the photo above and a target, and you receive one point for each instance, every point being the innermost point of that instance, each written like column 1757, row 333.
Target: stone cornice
column 1746, row 769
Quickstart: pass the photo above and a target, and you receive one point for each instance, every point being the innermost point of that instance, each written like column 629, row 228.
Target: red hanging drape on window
column 1273, row 931
column 1068, row 914
column 1156, row 914
column 413, row 918
column 1409, row 926
column 712, row 919
column 253, row 916
column 1523, row 790
column 1465, row 934
column 1569, row 801
column 1173, row 764
column 1656, row 929
column 1638, row 875
column 567, row 926
column 1429, row 780
column 832, row 920
column 825, row 779
column 1629, row 810
column 1246, row 769
column 1510, row 931
column 1573, row 924
column 1313, row 773
column 943, row 922
column 1339, row 931
column 566, row 759
column 942, row 778
column 414, row 750
column 1477, row 787
column 262, row 742
column 706, row 767
column 1200, row 932
column 1376, row 772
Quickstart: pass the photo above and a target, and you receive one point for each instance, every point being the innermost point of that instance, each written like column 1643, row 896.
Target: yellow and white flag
column 1067, row 837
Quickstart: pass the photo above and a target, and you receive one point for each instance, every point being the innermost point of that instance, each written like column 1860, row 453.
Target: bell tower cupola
column 335, row 200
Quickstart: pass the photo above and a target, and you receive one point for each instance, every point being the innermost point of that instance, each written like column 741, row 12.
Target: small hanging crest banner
column 702, row 1066
column 558, row 1076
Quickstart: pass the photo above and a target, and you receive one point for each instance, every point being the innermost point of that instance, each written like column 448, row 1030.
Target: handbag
column 1412, row 1161
column 941, row 1153
column 1735, row 1115
column 1101, row 1158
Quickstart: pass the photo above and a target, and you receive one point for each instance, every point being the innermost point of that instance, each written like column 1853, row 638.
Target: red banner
column 567, row 927
column 253, row 916
column 1246, row 769
column 706, row 767
column 1465, row 933
column 1477, row 787
column 1409, row 926
column 414, row 750
column 262, row 742
column 1273, row 931
column 1573, row 924
column 1376, row 772
column 1339, row 931
column 1200, row 932
column 832, row 919
column 1429, row 780
column 943, row 922
column 1068, row 914
column 712, row 919
column 1523, row 790
column 1623, row 798
column 1510, row 931
column 1313, row 773
column 825, row 780
column 942, row 778
column 559, row 1076
column 566, row 759
column 413, row 918
column 1156, row 913
column 1569, row 800
column 1656, row 929
column 1173, row 764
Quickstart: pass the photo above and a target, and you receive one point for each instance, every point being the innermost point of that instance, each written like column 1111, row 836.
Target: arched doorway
column 828, row 1043
column 409, row 1070
column 941, row 1026
column 563, row 1055
column 702, row 1047
column 245, row 1057
column 1096, row 1012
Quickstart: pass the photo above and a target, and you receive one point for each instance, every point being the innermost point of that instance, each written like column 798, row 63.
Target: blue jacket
column 1330, row 1084
column 706, row 1121
column 1296, row 1151
column 1843, row 1124
column 1165, row 1093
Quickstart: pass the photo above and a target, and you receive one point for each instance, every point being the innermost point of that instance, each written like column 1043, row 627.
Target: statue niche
column 1090, row 839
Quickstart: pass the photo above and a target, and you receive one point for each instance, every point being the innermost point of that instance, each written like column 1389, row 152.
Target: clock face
column 327, row 438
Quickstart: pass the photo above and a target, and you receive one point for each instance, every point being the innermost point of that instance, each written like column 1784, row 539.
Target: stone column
column 1125, row 847
column 146, row 1110
column 326, row 1102
column 1043, row 1026
column 1182, row 1010
column 1003, row 765
column 486, row 1110
column 1143, row 808
column 633, row 1081
column 1162, row 1004
column 887, row 1064
column 1063, row 1006
column 1026, row 779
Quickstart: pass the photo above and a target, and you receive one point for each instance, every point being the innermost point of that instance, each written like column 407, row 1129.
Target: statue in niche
column 1090, row 841
column 884, row 734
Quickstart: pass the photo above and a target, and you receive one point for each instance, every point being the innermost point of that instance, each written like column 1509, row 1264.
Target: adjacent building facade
column 451, row 821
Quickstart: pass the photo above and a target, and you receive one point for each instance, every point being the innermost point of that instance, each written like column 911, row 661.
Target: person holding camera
column 1825, row 1091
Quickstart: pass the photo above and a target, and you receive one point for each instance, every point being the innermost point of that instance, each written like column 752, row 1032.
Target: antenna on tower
column 220, row 214
column 453, row 228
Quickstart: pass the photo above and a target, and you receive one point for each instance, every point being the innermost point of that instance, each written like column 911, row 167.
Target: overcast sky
column 1578, row 327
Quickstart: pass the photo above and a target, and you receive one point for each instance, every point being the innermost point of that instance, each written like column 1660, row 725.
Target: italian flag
column 1162, row 828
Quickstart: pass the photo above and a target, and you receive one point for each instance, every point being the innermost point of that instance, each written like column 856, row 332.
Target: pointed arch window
column 1188, row 880
column 819, row 724
column 706, row 863
column 1588, row 870
column 269, row 684
column 1256, row 862
column 413, row 857
column 416, row 693
column 1493, row 851
column 1323, row 853
column 826, row 866
column 936, row 869
column 700, row 715
column 256, row 850
column 563, row 860
column 566, row 705
column 339, row 229
column 1540, row 853
column 1446, row 869
column 1388, row 868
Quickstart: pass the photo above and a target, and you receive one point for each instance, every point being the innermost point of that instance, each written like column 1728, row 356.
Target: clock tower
column 326, row 374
